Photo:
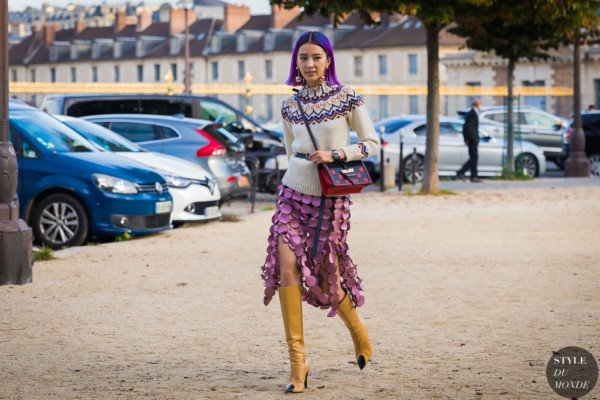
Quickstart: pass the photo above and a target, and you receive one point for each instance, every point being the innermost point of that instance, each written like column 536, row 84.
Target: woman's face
column 312, row 62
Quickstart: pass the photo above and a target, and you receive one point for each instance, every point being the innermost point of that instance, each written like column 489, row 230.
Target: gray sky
column 256, row 6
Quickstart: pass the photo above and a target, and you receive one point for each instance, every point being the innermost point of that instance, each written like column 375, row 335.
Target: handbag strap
column 312, row 138
column 322, row 205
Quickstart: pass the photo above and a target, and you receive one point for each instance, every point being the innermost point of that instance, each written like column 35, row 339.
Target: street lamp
column 187, row 5
column 577, row 164
column 15, row 235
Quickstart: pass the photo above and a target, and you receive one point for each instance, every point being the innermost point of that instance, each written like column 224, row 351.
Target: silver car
column 531, row 124
column 452, row 150
column 199, row 141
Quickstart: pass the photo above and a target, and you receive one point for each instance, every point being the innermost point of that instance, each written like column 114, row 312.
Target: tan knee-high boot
column 290, row 298
column 358, row 331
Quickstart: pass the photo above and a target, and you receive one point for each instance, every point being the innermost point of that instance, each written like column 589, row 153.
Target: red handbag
column 339, row 177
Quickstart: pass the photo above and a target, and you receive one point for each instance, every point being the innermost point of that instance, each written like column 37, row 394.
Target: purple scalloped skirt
column 295, row 219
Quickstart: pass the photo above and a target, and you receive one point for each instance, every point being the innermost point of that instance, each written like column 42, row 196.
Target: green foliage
column 43, row 254
column 123, row 237
column 230, row 217
column 516, row 29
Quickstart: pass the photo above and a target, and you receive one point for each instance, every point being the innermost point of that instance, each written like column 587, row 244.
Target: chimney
column 79, row 26
column 144, row 20
column 120, row 21
column 280, row 16
column 235, row 17
column 48, row 34
column 177, row 20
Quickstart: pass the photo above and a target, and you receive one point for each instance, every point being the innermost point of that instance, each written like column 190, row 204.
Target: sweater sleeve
column 288, row 138
column 359, row 120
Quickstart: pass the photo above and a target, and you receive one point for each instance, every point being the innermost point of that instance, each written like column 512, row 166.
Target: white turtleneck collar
column 312, row 92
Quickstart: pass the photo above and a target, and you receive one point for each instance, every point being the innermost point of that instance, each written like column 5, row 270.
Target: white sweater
column 331, row 112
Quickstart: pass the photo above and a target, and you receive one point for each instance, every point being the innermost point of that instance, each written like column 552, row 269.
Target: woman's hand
column 324, row 156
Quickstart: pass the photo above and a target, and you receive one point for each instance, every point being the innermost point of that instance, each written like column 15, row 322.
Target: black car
column 590, row 122
column 261, row 145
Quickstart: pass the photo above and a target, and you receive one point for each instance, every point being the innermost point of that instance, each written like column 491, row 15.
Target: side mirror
column 558, row 126
column 485, row 138
column 236, row 127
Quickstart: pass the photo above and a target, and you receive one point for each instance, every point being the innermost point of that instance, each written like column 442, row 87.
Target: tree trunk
column 431, row 181
column 510, row 134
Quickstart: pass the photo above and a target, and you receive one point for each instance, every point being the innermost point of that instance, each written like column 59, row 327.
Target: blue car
column 69, row 190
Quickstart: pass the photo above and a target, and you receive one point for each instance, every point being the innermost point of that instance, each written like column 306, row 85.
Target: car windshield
column 391, row 126
column 105, row 138
column 49, row 132
column 213, row 111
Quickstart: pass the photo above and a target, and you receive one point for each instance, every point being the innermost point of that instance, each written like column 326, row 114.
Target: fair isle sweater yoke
column 331, row 111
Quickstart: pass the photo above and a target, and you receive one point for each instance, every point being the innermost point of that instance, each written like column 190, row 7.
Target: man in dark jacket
column 470, row 133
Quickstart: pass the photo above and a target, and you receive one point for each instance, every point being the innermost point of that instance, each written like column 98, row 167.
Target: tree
column 435, row 15
column 516, row 29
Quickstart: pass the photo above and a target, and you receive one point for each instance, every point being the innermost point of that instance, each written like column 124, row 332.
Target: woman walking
column 324, row 277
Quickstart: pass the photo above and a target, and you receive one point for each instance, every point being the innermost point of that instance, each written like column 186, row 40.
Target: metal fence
column 263, row 101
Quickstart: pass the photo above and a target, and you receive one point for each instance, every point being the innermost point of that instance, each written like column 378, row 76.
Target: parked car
column 195, row 193
column 185, row 138
column 69, row 190
column 260, row 143
column 452, row 150
column 531, row 124
column 590, row 122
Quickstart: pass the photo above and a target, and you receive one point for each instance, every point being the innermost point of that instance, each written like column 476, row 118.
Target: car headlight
column 177, row 181
column 114, row 185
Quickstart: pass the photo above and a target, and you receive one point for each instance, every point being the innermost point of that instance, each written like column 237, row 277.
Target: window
column 14, row 75
column 135, row 132
column 539, row 119
column 535, row 101
column 167, row 133
column 414, row 104
column 421, row 130
column 212, row 110
column 140, row 73
column 94, row 74
column 48, row 132
column 447, row 128
column 117, row 73
column 22, row 146
column 174, row 71
column 383, row 69
column 32, row 75
column 52, row 74
column 214, row 68
column 191, row 71
column 358, row 65
column 470, row 98
column 412, row 64
column 268, row 69
column 383, row 107
column 73, row 74
column 269, row 107
column 157, row 73
column 241, row 70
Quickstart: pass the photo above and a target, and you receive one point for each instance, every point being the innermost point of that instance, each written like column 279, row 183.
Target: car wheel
column 595, row 164
column 528, row 164
column 60, row 220
column 419, row 166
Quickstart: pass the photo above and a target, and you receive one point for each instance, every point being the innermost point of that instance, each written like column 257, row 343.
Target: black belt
column 302, row 155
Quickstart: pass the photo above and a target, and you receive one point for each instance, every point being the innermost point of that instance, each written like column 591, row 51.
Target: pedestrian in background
column 470, row 133
column 329, row 278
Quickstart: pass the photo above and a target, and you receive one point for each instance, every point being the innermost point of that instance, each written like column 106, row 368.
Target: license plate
column 243, row 181
column 211, row 212
column 163, row 207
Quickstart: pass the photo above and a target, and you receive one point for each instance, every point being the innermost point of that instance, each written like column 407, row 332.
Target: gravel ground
column 466, row 297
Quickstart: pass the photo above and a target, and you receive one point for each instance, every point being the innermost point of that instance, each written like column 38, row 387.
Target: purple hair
column 320, row 40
